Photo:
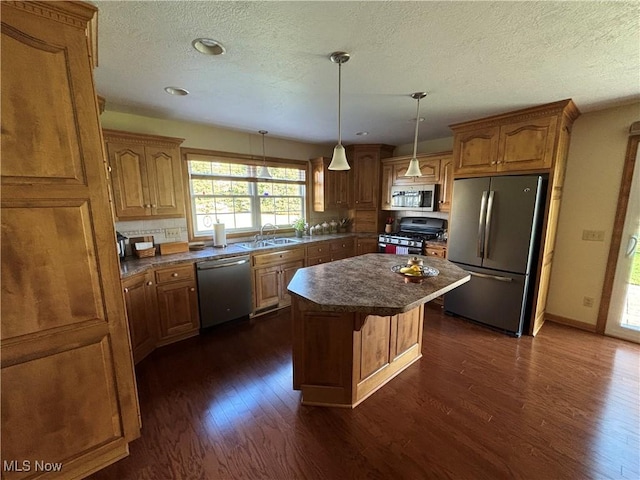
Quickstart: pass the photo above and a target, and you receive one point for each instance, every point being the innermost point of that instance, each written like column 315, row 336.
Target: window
column 230, row 191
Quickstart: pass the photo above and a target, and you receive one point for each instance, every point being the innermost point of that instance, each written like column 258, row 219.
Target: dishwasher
column 224, row 290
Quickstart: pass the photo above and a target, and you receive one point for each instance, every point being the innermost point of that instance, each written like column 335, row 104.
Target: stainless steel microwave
column 413, row 197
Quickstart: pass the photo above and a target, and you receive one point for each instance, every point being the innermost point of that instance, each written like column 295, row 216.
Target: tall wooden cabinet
column 532, row 140
column 146, row 175
column 366, row 165
column 68, row 387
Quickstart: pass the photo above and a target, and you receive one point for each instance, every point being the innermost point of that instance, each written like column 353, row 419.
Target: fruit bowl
column 415, row 273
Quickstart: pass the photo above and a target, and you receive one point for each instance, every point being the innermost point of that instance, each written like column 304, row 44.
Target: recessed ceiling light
column 362, row 134
column 208, row 46
column 176, row 91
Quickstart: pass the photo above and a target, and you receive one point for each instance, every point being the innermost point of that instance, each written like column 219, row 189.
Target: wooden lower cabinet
column 142, row 308
column 366, row 245
column 177, row 295
column 435, row 250
column 330, row 251
column 272, row 272
column 340, row 359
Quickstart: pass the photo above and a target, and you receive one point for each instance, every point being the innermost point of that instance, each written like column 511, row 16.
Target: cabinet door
column 165, row 183
column 338, row 184
column 476, row 151
column 385, row 189
column 178, row 310
column 140, row 300
column 287, row 271
column 341, row 248
column 366, row 176
column 68, row 387
column 318, row 184
column 367, row 245
column 267, row 287
column 446, row 184
column 430, row 169
column 408, row 331
column 527, row 145
column 129, row 177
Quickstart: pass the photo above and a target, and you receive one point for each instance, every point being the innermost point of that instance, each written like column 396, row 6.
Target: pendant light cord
column 339, row 102
column 415, row 138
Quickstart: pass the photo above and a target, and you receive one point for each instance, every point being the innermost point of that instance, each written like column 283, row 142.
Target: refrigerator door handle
column 487, row 228
column 491, row 277
column 482, row 224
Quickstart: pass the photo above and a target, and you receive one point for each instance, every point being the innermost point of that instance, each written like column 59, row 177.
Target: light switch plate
column 593, row 235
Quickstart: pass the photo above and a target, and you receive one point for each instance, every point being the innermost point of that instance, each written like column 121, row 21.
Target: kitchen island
column 357, row 324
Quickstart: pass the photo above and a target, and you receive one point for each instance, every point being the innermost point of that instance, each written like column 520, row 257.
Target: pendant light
column 264, row 171
column 339, row 159
column 414, row 166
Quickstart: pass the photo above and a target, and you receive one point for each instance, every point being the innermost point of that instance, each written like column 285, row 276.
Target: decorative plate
column 421, row 271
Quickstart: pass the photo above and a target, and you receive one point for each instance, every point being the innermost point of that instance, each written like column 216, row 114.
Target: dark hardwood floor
column 478, row 405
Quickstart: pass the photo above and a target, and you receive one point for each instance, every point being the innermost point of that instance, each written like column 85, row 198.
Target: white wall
column 594, row 170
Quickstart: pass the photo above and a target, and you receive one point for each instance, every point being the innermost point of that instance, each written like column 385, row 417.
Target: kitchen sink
column 283, row 241
column 267, row 243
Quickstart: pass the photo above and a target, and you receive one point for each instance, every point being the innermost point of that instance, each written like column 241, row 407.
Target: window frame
column 188, row 154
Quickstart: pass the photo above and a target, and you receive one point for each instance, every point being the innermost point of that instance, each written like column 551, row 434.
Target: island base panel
column 340, row 359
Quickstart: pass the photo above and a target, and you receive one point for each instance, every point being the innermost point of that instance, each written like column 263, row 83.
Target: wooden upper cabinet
column 521, row 141
column 146, row 176
column 68, row 386
column 429, row 167
column 365, row 164
column 476, row 151
column 331, row 188
column 527, row 145
column 446, row 183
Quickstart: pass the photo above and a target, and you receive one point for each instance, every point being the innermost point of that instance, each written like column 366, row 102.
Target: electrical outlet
column 172, row 232
column 587, row 302
column 593, row 235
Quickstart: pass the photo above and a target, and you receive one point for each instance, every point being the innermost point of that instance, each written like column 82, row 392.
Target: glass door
column 623, row 316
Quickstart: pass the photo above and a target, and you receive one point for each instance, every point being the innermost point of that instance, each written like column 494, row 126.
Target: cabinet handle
column 319, row 249
column 357, row 201
column 174, row 274
column 153, row 206
column 126, row 290
column 149, row 283
column 192, row 289
column 493, row 163
column 109, row 168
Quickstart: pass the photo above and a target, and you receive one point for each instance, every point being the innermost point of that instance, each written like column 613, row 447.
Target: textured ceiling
column 473, row 58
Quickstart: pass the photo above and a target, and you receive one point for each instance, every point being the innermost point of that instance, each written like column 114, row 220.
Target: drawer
column 318, row 249
column 435, row 252
column 178, row 272
column 318, row 260
column 344, row 245
column 278, row 257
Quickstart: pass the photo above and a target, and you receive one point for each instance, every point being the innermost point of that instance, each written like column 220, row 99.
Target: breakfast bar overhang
column 357, row 324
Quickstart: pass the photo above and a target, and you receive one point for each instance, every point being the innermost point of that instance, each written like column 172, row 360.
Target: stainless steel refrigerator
column 494, row 234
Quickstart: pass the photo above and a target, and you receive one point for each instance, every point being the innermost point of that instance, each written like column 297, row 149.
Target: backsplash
column 157, row 228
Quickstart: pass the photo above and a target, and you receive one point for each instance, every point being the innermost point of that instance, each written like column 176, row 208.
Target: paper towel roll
column 219, row 235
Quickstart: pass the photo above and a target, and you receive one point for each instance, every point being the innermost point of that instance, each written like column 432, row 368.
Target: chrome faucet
column 271, row 226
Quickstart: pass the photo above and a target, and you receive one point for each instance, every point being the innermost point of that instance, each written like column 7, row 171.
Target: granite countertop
column 132, row 265
column 366, row 284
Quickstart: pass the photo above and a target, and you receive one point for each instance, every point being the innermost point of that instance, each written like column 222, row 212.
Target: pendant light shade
column 264, row 171
column 414, row 166
column 339, row 159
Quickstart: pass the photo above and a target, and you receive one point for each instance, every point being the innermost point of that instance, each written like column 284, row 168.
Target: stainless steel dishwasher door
column 224, row 290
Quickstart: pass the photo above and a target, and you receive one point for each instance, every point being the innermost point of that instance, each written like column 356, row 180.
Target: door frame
column 616, row 236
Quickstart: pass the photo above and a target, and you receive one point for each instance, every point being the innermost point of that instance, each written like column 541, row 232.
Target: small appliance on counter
column 121, row 242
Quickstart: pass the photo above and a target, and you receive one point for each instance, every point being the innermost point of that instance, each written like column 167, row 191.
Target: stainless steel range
column 412, row 235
